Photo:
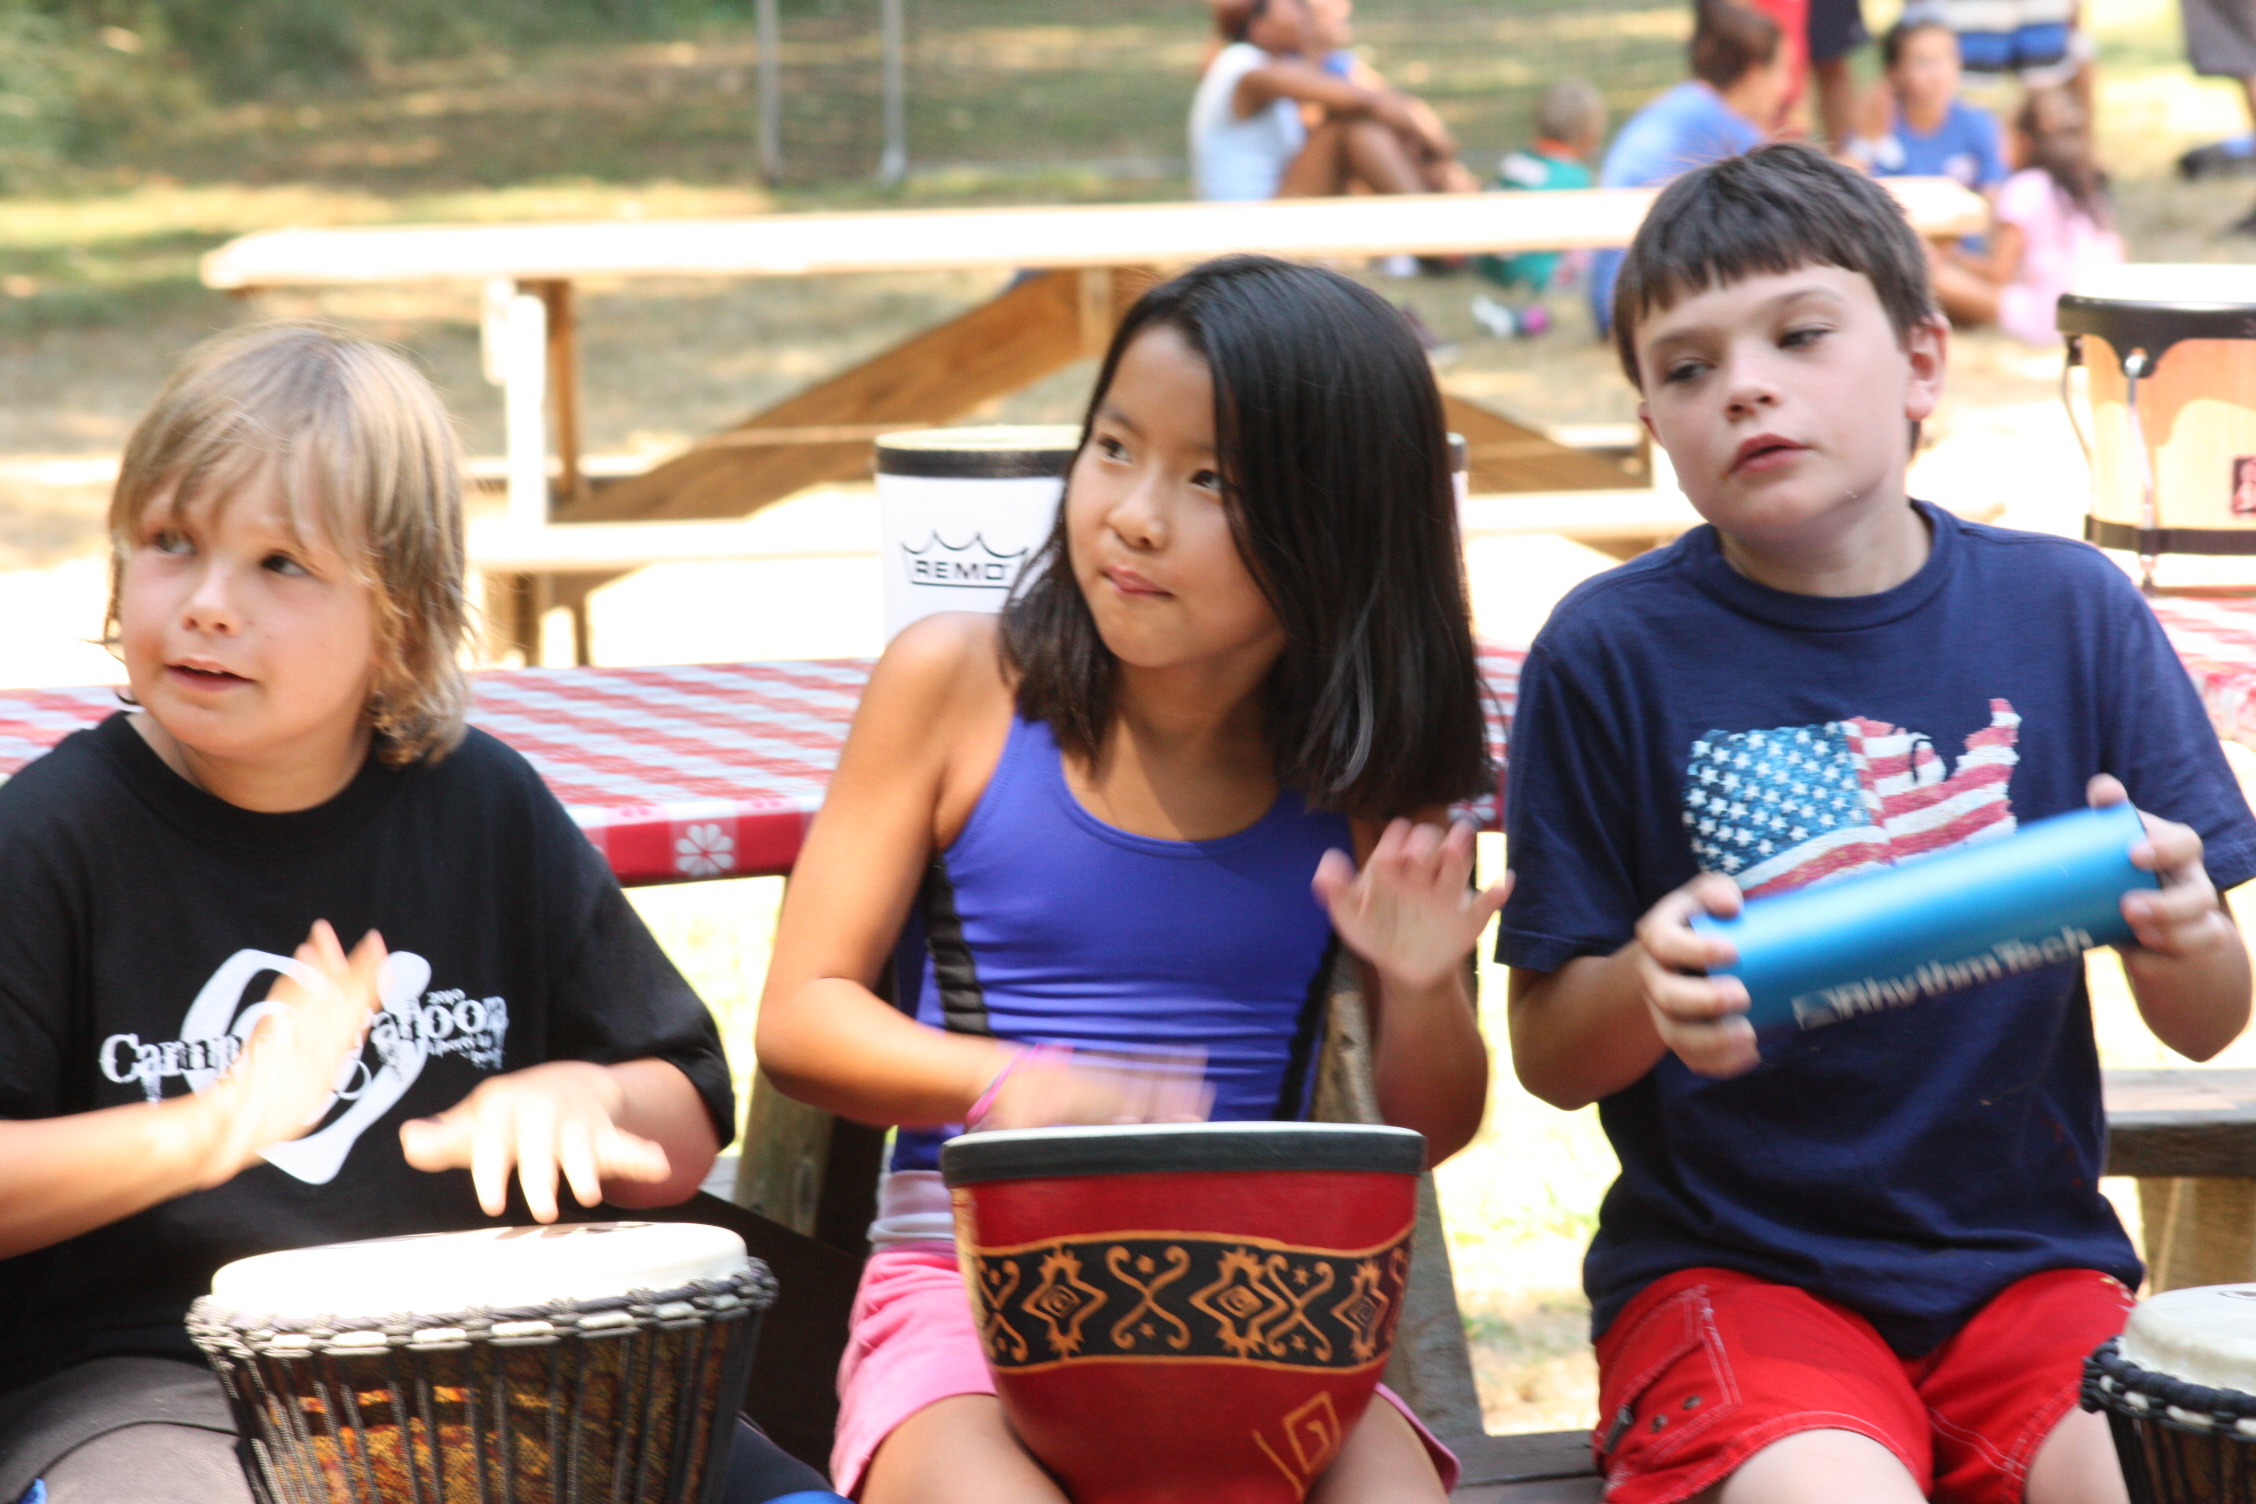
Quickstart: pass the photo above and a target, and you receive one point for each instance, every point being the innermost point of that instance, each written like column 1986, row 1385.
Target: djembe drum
column 1186, row 1314
column 2179, row 1391
column 2171, row 352
column 524, row 1365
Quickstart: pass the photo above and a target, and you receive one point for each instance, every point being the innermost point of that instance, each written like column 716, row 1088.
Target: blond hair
column 358, row 442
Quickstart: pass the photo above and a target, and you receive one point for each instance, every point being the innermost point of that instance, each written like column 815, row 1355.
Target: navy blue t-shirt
column 1675, row 715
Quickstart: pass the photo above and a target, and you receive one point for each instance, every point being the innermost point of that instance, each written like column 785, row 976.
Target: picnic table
column 1081, row 267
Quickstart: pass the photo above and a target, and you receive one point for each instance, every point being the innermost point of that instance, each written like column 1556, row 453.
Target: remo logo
column 973, row 566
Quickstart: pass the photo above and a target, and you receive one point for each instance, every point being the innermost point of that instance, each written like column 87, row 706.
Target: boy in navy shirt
column 1864, row 1262
column 1932, row 132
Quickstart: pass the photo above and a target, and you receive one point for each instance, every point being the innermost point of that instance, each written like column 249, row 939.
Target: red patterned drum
column 1186, row 1314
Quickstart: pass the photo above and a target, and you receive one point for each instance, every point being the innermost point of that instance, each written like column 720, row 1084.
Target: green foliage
column 35, row 101
column 246, row 48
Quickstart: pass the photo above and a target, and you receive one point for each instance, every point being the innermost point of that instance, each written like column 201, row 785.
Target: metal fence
column 1044, row 89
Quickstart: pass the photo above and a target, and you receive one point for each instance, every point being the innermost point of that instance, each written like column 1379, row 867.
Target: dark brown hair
column 1776, row 208
column 1729, row 39
column 1335, row 473
column 2059, row 137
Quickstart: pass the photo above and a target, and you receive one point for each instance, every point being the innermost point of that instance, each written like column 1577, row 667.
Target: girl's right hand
column 278, row 1087
column 1697, row 1016
column 1080, row 1088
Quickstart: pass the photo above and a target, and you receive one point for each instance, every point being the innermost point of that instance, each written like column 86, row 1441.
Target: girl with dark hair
column 2053, row 223
column 1117, row 821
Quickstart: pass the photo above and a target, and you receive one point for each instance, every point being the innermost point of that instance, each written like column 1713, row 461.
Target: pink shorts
column 913, row 1344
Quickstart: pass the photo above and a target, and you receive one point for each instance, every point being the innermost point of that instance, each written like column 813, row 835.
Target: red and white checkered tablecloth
column 2216, row 640
column 676, row 774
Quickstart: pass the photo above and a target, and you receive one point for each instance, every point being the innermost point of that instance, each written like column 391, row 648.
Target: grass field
column 1010, row 99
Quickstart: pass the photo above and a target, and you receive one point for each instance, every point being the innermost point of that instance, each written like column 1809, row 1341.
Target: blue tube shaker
column 1936, row 924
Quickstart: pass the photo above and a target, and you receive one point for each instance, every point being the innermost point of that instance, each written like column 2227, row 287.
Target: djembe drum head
column 524, row 1365
column 2179, row 1392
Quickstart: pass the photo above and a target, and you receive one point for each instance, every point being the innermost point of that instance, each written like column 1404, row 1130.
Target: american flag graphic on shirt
column 1787, row 807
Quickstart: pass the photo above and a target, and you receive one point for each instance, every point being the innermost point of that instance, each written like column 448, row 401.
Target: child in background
column 1570, row 126
column 1866, row 1261
column 2052, row 224
column 1331, row 42
column 1931, row 132
column 287, row 597
column 1727, row 106
column 1118, row 819
column 1250, row 136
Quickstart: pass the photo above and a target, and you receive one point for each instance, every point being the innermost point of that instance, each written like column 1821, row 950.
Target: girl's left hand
column 1410, row 912
column 546, row 1119
column 2185, row 916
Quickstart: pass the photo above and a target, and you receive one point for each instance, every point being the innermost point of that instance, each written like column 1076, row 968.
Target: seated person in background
column 1930, row 131
column 1739, row 74
column 1248, row 138
column 2052, row 224
column 1570, row 122
column 1863, row 1263
column 1331, row 28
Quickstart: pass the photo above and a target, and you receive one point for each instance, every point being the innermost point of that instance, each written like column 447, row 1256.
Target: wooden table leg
column 1502, row 455
column 2199, row 1230
column 1043, row 323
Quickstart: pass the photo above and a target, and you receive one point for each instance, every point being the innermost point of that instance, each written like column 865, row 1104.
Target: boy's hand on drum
column 1409, row 911
column 544, row 1121
column 2184, row 917
column 1698, row 1017
column 288, row 1071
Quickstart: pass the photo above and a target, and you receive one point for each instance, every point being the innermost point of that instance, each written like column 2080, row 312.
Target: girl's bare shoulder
column 940, row 675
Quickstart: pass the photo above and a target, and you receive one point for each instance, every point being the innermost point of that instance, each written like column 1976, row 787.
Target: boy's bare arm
column 1598, row 1023
column 2189, row 969
column 60, row 1177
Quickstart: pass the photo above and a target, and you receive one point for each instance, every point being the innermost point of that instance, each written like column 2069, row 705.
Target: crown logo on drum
column 975, row 565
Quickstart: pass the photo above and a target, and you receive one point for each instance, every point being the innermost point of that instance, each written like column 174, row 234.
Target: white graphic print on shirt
column 414, row 1026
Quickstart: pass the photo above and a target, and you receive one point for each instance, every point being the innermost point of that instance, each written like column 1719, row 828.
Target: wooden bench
column 2189, row 1136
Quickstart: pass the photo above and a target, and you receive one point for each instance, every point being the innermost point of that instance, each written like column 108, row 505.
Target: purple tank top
column 1043, row 924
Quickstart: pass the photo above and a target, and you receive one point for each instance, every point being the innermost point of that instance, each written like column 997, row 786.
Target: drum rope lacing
column 2111, row 1377
column 252, row 1334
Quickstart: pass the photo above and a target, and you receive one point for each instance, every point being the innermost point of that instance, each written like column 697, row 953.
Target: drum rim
column 1181, row 1149
column 2180, row 1404
column 239, row 1331
column 1017, row 451
column 2129, row 324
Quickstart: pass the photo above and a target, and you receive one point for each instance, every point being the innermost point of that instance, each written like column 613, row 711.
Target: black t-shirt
column 140, row 921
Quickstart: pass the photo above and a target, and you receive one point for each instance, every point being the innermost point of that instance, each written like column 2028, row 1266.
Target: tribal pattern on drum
column 1182, row 1297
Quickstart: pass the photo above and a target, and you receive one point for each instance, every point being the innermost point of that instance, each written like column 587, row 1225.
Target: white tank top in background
column 1234, row 158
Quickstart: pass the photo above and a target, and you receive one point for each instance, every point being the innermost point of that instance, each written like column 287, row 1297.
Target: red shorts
column 1707, row 1367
